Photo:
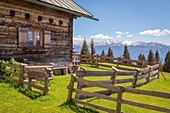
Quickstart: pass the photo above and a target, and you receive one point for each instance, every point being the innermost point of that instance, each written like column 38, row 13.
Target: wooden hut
column 38, row 30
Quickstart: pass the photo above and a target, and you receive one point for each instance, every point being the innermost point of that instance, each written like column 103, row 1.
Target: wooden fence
column 33, row 76
column 101, row 61
column 149, row 73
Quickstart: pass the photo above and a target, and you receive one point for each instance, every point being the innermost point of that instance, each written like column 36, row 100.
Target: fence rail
column 100, row 60
column 29, row 75
column 110, row 87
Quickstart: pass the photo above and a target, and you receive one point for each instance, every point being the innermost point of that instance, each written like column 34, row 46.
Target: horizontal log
column 147, row 106
column 119, row 81
column 145, row 70
column 96, row 84
column 141, row 84
column 38, row 67
column 100, row 81
column 153, row 78
column 154, row 73
column 36, row 74
column 127, row 69
column 94, row 106
column 126, row 73
column 38, row 87
column 94, row 73
column 154, row 67
column 10, row 65
column 132, row 65
column 149, row 93
column 104, row 65
column 39, row 79
column 10, row 72
column 142, row 76
column 99, row 94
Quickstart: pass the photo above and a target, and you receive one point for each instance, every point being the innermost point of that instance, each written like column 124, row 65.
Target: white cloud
column 127, row 32
column 130, row 35
column 119, row 36
column 78, row 38
column 156, row 32
column 100, row 36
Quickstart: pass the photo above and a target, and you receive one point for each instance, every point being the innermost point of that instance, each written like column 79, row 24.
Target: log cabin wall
column 15, row 14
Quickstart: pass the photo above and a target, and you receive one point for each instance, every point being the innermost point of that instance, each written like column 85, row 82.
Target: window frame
column 23, row 33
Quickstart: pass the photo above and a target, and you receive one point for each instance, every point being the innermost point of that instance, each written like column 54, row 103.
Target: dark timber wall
column 60, row 48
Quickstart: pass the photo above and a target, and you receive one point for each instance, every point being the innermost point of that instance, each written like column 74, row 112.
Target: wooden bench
column 60, row 70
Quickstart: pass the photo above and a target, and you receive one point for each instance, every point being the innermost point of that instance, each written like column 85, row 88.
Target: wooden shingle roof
column 68, row 6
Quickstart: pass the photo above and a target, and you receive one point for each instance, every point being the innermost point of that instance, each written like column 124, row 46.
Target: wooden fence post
column 96, row 63
column 159, row 71
column 47, row 75
column 21, row 73
column 113, row 78
column 149, row 73
column 135, row 78
column 119, row 99
column 70, row 87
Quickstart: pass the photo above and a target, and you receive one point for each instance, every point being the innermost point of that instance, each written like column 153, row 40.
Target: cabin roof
column 68, row 6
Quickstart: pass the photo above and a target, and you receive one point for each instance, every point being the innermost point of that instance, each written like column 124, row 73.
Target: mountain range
column 135, row 48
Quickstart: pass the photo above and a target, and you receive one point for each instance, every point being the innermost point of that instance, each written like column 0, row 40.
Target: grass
column 14, row 99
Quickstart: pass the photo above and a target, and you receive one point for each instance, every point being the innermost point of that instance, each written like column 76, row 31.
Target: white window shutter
column 23, row 37
column 47, row 37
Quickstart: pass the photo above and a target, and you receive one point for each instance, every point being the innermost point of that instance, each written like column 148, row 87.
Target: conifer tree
column 84, row 49
column 110, row 52
column 151, row 59
column 167, row 62
column 93, row 51
column 103, row 55
column 157, row 57
column 142, row 58
column 126, row 53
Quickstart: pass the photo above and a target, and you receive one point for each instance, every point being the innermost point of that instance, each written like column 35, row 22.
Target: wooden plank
column 153, row 78
column 96, row 84
column 38, row 67
column 94, row 106
column 126, row 73
column 154, row 67
column 86, row 95
column 144, row 70
column 149, row 93
column 104, row 65
column 10, row 65
column 142, row 76
column 100, row 81
column 94, row 73
column 119, row 81
column 38, row 87
column 154, row 73
column 147, row 106
column 121, row 68
column 10, row 72
column 70, row 88
column 141, row 83
column 36, row 73
column 39, row 79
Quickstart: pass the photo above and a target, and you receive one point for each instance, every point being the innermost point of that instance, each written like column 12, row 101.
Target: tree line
column 151, row 58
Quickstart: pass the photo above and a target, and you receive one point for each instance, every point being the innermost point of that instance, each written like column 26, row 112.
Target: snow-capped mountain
column 122, row 43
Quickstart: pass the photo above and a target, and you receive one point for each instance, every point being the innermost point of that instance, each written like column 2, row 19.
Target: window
column 32, row 37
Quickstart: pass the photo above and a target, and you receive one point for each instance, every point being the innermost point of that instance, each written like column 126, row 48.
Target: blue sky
column 134, row 20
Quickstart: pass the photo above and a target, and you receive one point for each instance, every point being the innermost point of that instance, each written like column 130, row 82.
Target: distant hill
column 135, row 48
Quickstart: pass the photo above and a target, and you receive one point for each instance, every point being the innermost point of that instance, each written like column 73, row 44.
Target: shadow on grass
column 76, row 108
column 29, row 93
column 23, row 89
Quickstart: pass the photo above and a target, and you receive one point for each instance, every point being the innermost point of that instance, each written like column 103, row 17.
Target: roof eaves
column 62, row 9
